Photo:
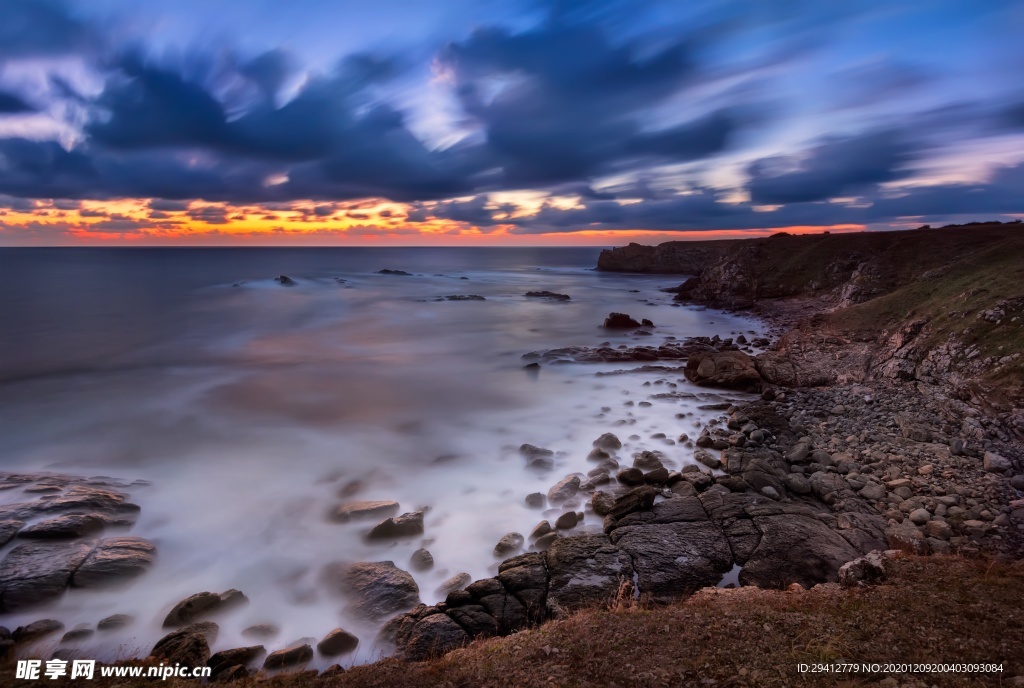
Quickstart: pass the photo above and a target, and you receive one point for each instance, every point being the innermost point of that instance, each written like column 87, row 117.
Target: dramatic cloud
column 558, row 117
column 837, row 167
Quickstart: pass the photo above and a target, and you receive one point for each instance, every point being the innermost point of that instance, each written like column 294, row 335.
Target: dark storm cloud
column 41, row 28
column 569, row 102
column 836, row 167
column 13, row 104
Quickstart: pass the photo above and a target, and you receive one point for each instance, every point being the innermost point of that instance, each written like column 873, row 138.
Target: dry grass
column 934, row 609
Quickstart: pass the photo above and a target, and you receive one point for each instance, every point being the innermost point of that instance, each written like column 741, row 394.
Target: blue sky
column 489, row 119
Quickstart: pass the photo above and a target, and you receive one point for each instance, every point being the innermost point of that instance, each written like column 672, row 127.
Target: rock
column 221, row 663
column 637, row 499
column 647, row 460
column 337, row 642
column 674, row 559
column 585, row 570
column 433, row 636
column 547, row 295
column 1017, row 482
column 8, row 529
column 457, row 582
column 938, row 529
column 867, row 569
column 114, row 560
column 36, row 630
column 608, row 441
column 907, row 538
column 541, row 529
column 264, row 631
column 38, row 572
column 620, row 321
column 463, row 297
column 202, row 604
column 565, row 521
column 421, row 560
column 873, row 492
column 406, row 525
column 912, row 430
column 77, row 635
column 602, row 502
column 659, row 476
column 770, row 492
column 114, row 622
column 544, row 541
column 708, row 460
column 285, row 280
column 564, row 489
column 364, row 509
column 509, row 543
column 732, row 369
column 996, row 463
column 795, row 548
column 919, row 517
column 189, row 646
column 646, row 323
column 537, row 457
column 630, row 476
column 288, row 657
column 400, row 273
column 375, row 590
column 67, row 526
column 536, row 500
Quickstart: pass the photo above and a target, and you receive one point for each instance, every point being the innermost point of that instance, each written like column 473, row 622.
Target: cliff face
column 673, row 257
column 942, row 306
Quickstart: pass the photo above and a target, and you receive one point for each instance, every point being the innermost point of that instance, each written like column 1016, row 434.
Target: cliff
column 943, row 306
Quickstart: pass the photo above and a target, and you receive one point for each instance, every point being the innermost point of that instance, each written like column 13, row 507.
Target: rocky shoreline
column 820, row 470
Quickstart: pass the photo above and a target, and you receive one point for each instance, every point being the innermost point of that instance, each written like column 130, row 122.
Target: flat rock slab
column 364, row 509
column 114, row 560
column 38, row 572
column 675, row 559
column 795, row 549
column 66, row 527
column 584, row 570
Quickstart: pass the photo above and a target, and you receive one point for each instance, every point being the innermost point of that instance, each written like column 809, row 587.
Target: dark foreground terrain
column 929, row 610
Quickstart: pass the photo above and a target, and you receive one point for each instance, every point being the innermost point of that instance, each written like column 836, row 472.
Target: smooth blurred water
column 248, row 407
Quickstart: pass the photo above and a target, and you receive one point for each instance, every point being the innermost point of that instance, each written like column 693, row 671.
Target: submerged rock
column 547, row 295
column 189, row 646
column 509, row 543
column 38, row 572
column 620, row 321
column 337, row 642
column 406, row 525
column 36, row 630
column 364, row 509
column 114, row 560
column 374, row 590
column 401, row 273
column 202, row 604
column 285, row 281
column 288, row 657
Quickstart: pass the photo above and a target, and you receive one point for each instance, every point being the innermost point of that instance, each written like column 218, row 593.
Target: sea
column 243, row 409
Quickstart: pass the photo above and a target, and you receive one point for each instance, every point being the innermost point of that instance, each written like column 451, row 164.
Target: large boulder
column 620, row 321
column 433, row 636
column 585, row 570
column 188, row 646
column 38, row 572
column 732, row 369
column 675, row 559
column 288, row 657
column 114, row 560
column 337, row 642
column 795, row 548
column 203, row 604
column 222, row 662
column 374, row 590
column 785, row 371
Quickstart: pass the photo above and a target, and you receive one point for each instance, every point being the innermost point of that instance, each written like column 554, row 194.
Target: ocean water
column 248, row 406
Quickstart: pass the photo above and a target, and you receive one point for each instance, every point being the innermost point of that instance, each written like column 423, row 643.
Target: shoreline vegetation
column 888, row 420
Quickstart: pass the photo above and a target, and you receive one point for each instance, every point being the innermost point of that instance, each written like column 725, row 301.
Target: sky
column 476, row 122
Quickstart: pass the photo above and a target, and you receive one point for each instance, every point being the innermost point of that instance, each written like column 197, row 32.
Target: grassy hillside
column 934, row 609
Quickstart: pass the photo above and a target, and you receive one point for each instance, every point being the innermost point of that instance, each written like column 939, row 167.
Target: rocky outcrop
column 188, row 646
column 731, row 369
column 674, row 257
column 203, row 604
